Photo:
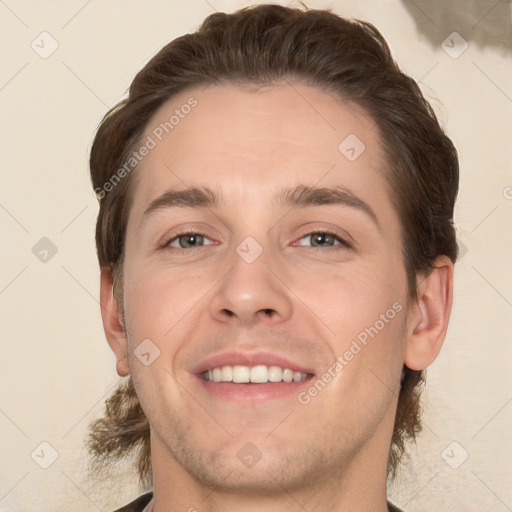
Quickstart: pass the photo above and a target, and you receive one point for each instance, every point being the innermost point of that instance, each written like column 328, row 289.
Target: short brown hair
column 263, row 45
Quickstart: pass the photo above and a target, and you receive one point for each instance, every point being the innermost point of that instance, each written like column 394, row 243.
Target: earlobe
column 429, row 316
column 122, row 367
column 113, row 323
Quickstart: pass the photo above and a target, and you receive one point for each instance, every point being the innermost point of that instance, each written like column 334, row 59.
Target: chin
column 252, row 465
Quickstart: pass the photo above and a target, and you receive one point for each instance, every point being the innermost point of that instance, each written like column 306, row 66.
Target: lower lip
column 252, row 392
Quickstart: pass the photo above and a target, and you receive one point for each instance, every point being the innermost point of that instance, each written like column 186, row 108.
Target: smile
column 259, row 374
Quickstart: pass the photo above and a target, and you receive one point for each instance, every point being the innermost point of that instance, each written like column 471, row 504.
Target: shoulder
column 138, row 504
column 393, row 508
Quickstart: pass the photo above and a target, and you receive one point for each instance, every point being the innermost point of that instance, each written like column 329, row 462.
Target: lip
column 249, row 359
column 248, row 392
column 251, row 393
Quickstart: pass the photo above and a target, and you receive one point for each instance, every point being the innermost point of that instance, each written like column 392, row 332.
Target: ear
column 428, row 322
column 113, row 323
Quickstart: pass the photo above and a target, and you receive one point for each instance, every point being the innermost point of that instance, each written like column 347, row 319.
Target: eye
column 326, row 239
column 189, row 240
column 194, row 240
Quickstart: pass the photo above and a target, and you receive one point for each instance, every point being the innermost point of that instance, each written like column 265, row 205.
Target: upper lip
column 249, row 359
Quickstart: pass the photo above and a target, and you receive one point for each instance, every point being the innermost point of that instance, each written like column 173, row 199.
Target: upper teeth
column 255, row 374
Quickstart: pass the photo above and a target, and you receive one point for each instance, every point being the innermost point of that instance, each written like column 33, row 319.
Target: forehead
column 245, row 141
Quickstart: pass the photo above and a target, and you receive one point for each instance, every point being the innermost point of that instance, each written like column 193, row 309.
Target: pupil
column 321, row 238
column 190, row 240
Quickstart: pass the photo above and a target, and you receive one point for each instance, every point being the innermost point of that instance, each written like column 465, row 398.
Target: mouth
column 251, row 377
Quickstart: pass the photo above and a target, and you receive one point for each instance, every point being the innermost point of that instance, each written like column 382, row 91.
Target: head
column 261, row 107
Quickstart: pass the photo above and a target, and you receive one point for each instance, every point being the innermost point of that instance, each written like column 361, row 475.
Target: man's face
column 256, row 287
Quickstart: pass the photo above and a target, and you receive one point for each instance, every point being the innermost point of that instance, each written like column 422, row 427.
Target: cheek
column 158, row 303
column 350, row 298
column 364, row 309
column 158, row 298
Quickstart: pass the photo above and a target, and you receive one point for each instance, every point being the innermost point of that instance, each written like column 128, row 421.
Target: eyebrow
column 301, row 196
column 193, row 197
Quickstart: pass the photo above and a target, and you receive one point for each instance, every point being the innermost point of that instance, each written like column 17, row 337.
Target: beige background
column 56, row 368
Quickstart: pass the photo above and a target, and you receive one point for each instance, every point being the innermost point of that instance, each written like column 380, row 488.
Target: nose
column 252, row 292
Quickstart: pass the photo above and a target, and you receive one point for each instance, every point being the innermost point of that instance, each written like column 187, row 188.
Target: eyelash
column 342, row 245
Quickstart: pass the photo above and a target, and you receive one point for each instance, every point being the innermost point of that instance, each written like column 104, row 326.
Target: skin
column 328, row 455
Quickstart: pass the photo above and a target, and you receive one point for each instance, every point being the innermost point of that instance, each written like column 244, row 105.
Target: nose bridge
column 251, row 288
